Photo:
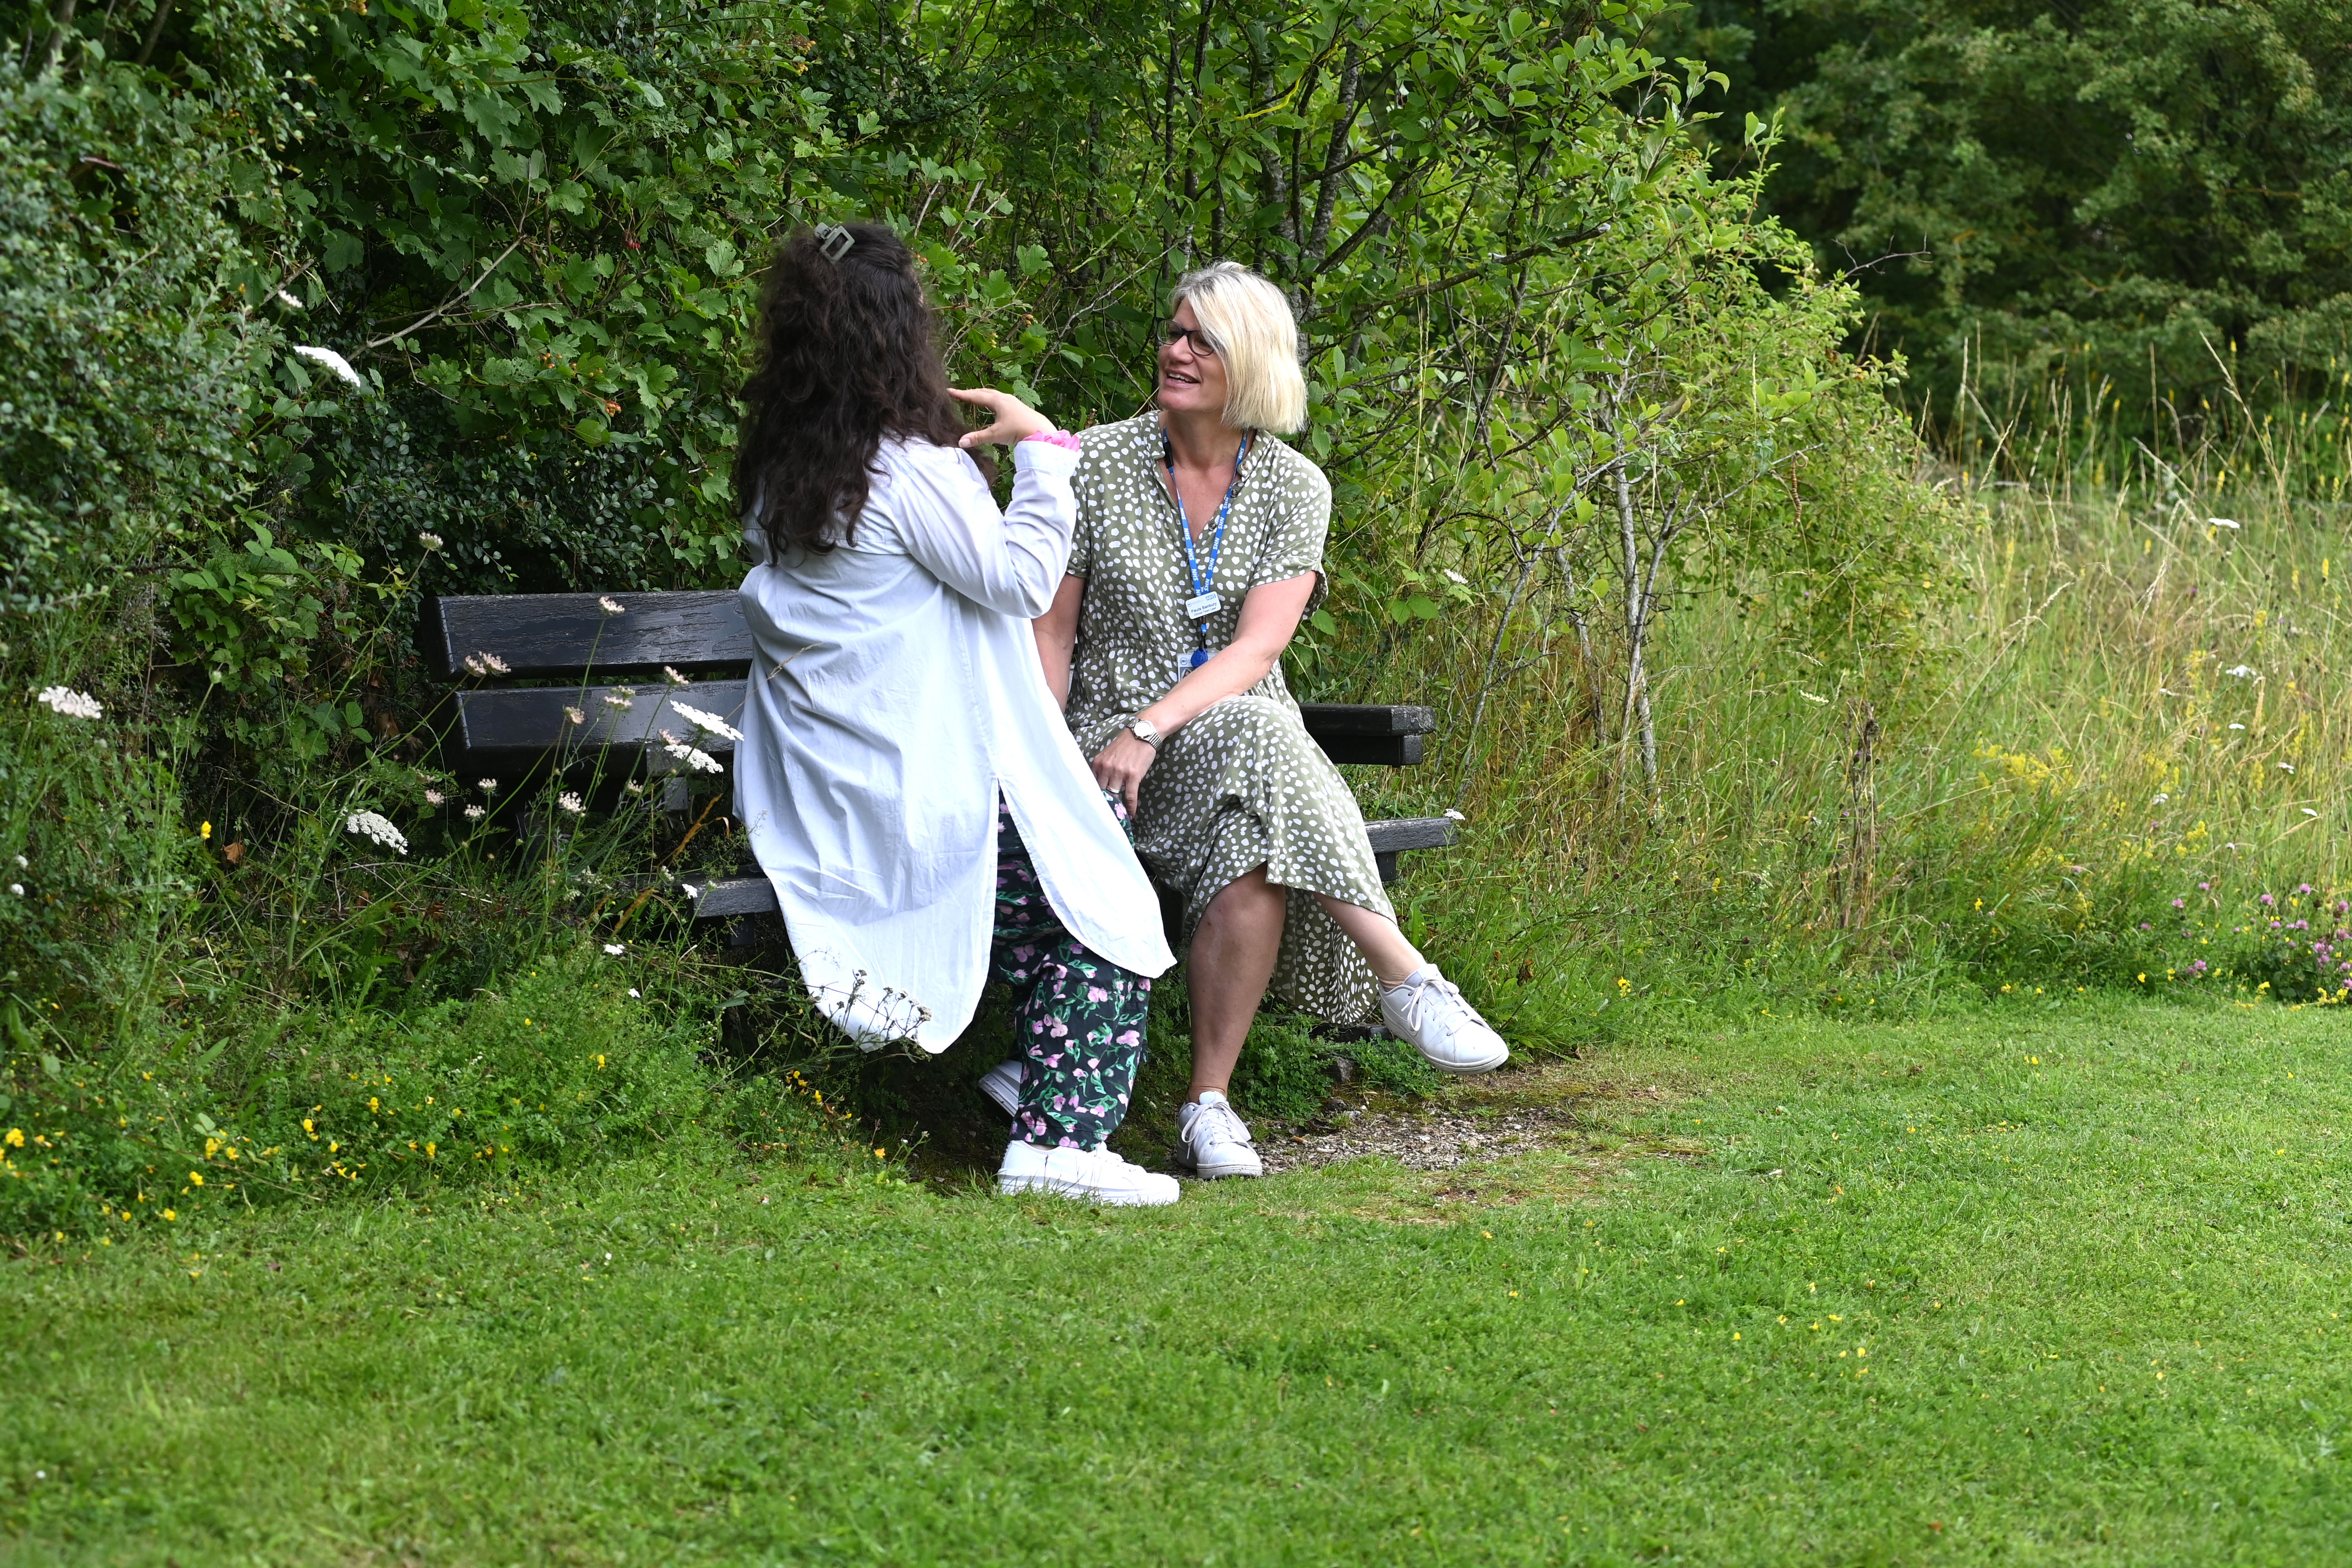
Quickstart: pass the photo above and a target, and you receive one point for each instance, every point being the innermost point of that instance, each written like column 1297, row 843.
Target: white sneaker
column 1428, row 1010
column 1211, row 1141
column 1097, row 1175
column 1001, row 1083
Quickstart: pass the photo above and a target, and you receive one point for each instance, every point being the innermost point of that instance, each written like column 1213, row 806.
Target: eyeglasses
column 1171, row 333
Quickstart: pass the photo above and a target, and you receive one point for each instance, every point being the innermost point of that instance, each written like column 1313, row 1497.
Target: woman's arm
column 1058, row 636
column 1011, row 560
column 1269, row 619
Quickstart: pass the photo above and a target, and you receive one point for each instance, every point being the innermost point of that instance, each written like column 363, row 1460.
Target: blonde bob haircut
column 1250, row 322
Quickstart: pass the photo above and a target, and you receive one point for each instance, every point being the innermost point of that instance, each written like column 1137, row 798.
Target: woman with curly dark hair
column 905, row 774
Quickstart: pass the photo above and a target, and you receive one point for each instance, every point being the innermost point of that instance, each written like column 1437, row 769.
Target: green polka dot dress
column 1242, row 786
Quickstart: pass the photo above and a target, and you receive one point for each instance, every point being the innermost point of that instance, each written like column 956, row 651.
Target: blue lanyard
column 1216, row 536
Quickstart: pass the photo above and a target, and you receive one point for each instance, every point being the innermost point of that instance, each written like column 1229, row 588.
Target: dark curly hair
column 847, row 358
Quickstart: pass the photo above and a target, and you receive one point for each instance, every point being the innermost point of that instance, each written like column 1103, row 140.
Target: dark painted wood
column 1393, row 834
column 506, row 733
column 541, row 635
column 1330, row 718
column 730, row 895
column 1375, row 750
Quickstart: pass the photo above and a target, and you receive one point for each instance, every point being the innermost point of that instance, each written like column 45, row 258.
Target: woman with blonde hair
column 1199, row 547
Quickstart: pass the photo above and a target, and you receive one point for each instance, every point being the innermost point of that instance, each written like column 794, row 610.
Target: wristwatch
column 1145, row 730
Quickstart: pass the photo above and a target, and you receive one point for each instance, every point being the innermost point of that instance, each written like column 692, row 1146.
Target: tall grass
column 2128, row 724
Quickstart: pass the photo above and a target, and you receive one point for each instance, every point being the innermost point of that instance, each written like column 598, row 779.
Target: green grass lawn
column 2034, row 1285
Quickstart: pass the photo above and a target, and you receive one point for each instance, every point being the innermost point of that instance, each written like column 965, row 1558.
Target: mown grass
column 2096, row 1254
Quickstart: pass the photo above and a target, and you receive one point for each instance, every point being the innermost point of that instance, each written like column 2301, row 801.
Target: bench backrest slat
column 541, row 635
column 505, row 734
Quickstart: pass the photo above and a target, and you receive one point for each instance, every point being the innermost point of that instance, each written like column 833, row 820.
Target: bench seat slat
column 752, row 894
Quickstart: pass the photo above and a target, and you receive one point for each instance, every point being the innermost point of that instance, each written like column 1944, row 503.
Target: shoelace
column 1457, row 1012
column 1230, row 1127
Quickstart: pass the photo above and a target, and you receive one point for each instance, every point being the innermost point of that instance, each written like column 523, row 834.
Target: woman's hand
column 1120, row 767
column 1013, row 420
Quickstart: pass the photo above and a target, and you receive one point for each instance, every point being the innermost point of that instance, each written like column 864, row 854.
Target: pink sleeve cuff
column 1062, row 438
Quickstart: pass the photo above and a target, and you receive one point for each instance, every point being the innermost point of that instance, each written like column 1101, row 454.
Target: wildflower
column 431, row 541
column 610, row 605
column 333, row 362
column 205, row 832
column 2221, row 523
column 435, row 797
column 633, row 991
column 571, row 802
column 633, row 787
column 487, row 786
column 2204, row 887
column 496, row 665
column 170, row 1213
column 17, row 889
column 615, row 699
column 1456, row 816
column 2304, row 890
column 673, row 677
column 476, row 813
column 691, row 756
column 72, row 704
column 2266, row 899
column 615, row 948
column 2180, row 903
column 2286, row 767
column 2159, row 800
column 2309, row 812
column 707, row 723
column 371, row 825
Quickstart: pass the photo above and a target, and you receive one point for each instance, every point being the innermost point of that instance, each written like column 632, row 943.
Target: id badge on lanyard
column 1206, row 601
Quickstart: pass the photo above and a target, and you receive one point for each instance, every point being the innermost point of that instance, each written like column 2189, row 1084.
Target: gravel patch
column 1425, row 1141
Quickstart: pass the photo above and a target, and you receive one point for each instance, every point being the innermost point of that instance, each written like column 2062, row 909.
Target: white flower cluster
column 673, row 677
column 486, row 664
column 332, row 361
column 693, row 757
column 378, row 828
column 71, row 703
column 708, row 723
column 571, row 802
column 611, row 605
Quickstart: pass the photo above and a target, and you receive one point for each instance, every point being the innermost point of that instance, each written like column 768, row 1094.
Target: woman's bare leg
column 1376, row 936
column 1233, row 950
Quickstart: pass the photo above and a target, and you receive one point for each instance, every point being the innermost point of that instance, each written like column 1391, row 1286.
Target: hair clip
column 833, row 241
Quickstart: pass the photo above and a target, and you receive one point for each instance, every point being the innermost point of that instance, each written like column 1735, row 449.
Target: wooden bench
column 514, row 733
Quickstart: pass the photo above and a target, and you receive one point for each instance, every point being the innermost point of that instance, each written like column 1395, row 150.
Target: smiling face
column 1190, row 383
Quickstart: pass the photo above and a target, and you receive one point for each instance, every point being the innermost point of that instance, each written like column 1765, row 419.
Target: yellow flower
column 196, row 1178
column 16, row 1139
column 205, row 831
column 428, row 1150
column 170, row 1213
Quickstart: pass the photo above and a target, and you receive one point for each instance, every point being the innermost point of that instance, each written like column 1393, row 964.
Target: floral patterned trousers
column 1077, row 1019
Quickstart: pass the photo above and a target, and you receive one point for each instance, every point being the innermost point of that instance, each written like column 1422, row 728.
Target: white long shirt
column 896, row 691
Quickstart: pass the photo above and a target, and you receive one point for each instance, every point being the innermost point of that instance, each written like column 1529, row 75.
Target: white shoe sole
column 1219, row 1170
column 1014, row 1186
column 1005, row 1096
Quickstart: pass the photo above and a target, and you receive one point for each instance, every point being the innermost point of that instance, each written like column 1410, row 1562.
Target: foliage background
column 1749, row 694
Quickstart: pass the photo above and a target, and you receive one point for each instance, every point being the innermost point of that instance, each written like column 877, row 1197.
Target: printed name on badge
column 1201, row 606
